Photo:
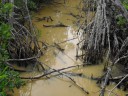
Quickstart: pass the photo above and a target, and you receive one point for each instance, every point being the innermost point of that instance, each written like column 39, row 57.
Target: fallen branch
column 65, row 74
column 48, row 73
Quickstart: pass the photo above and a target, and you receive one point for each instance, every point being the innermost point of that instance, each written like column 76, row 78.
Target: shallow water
column 62, row 86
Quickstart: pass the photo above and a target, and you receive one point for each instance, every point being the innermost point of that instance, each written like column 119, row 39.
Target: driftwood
column 57, row 25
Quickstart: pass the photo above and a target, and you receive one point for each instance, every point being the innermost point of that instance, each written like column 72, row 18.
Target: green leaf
column 125, row 4
column 2, row 94
column 8, row 7
column 3, row 76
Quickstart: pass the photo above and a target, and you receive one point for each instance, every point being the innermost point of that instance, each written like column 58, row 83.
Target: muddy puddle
column 60, row 85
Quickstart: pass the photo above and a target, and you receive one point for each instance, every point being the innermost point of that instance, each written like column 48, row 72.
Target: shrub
column 8, row 78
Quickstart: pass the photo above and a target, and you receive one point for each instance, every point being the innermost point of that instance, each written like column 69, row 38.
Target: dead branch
column 48, row 73
column 65, row 74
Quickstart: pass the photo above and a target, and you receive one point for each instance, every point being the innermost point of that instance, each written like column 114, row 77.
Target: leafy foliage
column 121, row 21
column 125, row 4
column 32, row 5
column 8, row 78
column 4, row 32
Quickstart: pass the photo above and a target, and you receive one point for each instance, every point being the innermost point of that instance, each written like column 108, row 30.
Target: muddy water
column 61, row 86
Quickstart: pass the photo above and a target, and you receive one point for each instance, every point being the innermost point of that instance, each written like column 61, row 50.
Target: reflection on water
column 61, row 86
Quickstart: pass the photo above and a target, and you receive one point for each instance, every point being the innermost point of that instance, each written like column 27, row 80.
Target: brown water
column 61, row 86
